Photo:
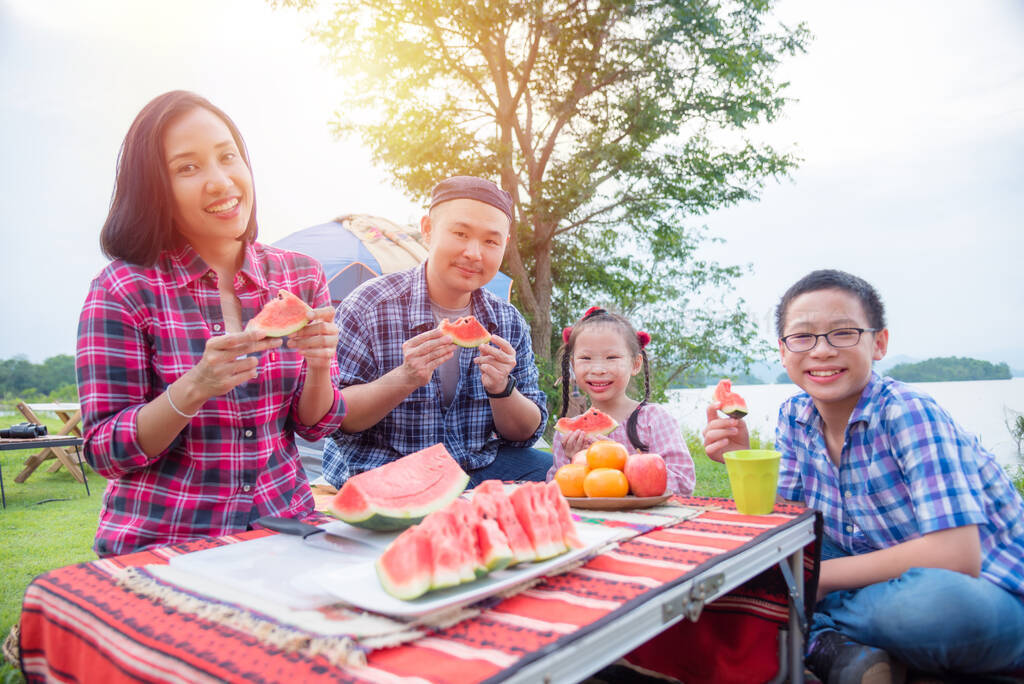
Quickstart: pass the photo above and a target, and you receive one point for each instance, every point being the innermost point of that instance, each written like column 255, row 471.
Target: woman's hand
column 318, row 341
column 228, row 361
column 723, row 434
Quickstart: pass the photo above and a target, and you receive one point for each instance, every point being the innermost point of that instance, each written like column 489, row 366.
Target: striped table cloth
column 78, row 625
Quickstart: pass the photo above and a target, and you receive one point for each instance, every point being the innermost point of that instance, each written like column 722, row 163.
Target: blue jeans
column 514, row 463
column 933, row 620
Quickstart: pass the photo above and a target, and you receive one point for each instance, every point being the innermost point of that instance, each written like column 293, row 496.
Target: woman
column 190, row 417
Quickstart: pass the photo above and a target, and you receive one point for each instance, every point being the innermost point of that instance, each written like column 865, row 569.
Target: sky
column 908, row 118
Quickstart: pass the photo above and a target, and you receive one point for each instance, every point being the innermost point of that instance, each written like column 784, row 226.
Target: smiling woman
column 192, row 423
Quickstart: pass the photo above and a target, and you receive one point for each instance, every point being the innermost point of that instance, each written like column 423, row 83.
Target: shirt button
column 847, row 493
column 273, row 356
column 849, row 528
column 216, row 327
column 246, row 488
column 248, row 433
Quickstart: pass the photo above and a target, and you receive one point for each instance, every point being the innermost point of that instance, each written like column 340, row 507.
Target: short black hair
column 831, row 279
column 140, row 223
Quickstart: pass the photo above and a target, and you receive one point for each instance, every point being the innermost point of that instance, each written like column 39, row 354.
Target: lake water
column 981, row 407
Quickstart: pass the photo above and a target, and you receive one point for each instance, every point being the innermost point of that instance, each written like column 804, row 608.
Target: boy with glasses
column 923, row 556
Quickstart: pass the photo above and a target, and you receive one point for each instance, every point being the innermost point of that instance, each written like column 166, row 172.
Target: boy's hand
column 723, row 434
column 576, row 441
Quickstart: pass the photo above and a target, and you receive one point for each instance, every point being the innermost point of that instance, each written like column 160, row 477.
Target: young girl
column 605, row 352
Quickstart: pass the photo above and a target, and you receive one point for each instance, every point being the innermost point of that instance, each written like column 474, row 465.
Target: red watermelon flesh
column 592, row 422
column 560, row 506
column 401, row 493
column 492, row 502
column 453, row 562
column 465, row 331
column 732, row 403
column 492, row 547
column 466, row 519
column 541, row 526
column 283, row 315
column 405, row 569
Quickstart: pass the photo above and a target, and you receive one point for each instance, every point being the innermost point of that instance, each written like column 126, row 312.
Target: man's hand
column 723, row 434
column 495, row 360
column 422, row 354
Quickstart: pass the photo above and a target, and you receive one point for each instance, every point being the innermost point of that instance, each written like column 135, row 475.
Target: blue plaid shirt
column 907, row 469
column 374, row 320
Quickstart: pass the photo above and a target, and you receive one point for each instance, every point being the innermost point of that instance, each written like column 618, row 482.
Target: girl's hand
column 318, row 341
column 723, row 434
column 575, row 441
column 228, row 361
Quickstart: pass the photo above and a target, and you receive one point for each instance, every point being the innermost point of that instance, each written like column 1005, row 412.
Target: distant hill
column 949, row 368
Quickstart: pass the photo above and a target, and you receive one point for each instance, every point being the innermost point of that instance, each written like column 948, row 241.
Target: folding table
column 55, row 443
column 71, row 415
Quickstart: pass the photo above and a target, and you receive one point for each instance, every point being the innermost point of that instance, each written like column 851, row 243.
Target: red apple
column 647, row 474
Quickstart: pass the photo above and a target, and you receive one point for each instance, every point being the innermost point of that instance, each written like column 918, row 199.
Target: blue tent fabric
column 347, row 262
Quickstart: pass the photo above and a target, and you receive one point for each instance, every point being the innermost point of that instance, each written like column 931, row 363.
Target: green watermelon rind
column 565, row 425
column 732, row 404
column 466, row 343
column 380, row 519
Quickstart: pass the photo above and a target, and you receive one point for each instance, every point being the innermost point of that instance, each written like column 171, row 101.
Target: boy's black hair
column 830, row 279
column 592, row 317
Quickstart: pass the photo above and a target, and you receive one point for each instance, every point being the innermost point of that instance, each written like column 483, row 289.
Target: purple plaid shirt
column 660, row 432
column 141, row 329
column 907, row 469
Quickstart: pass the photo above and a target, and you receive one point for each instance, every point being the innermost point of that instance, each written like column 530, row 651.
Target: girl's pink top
column 659, row 431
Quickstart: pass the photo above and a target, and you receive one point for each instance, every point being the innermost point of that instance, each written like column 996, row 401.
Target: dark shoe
column 835, row 659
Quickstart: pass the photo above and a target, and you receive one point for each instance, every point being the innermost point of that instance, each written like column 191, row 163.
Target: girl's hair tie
column 593, row 311
column 566, row 331
column 643, row 338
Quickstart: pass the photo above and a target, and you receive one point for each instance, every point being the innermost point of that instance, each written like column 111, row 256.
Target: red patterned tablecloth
column 79, row 625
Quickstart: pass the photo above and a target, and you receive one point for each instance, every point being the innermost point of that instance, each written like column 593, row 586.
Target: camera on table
column 24, row 431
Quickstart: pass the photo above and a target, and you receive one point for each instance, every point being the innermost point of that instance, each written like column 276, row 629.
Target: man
column 407, row 386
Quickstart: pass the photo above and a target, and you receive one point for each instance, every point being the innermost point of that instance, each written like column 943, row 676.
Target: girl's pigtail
column 631, row 432
column 565, row 379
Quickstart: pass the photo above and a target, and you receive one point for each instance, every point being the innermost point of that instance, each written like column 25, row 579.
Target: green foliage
column 10, row 674
column 612, row 123
column 51, row 380
column 783, row 378
column 1015, row 424
column 949, row 368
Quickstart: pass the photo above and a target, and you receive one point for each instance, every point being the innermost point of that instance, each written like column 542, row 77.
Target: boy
column 923, row 556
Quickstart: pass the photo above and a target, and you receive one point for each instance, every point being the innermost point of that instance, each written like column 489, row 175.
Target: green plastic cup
column 754, row 478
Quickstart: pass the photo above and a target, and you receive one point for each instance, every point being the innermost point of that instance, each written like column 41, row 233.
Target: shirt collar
column 422, row 317
column 187, row 266
column 863, row 412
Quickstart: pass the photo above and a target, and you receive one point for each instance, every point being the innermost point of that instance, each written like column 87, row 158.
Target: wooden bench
column 69, row 456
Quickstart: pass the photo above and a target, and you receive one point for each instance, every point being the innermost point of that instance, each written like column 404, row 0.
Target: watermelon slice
column 401, row 493
column 732, row 403
column 563, row 516
column 465, row 331
column 453, row 561
column 592, row 422
column 540, row 523
column 491, row 501
column 492, row 547
column 283, row 315
column 406, row 567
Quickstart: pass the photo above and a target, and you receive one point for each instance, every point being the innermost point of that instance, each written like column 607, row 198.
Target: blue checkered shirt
column 374, row 320
column 907, row 469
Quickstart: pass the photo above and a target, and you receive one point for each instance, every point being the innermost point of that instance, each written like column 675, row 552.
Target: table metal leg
column 81, row 466
column 3, row 494
column 796, row 607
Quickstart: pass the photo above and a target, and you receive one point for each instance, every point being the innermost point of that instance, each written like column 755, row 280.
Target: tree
column 610, row 122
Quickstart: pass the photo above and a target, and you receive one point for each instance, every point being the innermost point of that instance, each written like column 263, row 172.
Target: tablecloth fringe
column 11, row 649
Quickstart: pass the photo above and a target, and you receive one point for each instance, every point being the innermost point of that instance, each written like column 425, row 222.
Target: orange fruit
column 606, row 482
column 570, row 479
column 606, row 454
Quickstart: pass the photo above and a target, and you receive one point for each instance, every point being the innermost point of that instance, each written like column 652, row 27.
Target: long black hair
column 140, row 223
column 593, row 317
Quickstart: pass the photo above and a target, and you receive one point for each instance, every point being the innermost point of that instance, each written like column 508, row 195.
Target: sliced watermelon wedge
column 491, row 501
column 406, row 567
column 540, row 523
column 401, row 493
column 465, row 331
column 733, row 404
column 592, row 422
column 283, row 315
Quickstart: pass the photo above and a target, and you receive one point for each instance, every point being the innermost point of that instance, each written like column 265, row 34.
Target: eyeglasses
column 840, row 338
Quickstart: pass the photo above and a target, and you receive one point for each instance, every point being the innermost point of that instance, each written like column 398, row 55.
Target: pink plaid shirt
column 141, row 329
column 660, row 432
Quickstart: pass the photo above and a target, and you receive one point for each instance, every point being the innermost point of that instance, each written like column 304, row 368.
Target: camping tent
column 357, row 247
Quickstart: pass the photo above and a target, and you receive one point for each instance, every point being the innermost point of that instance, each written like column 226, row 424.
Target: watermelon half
column 592, row 422
column 733, row 404
column 465, row 331
column 283, row 315
column 401, row 493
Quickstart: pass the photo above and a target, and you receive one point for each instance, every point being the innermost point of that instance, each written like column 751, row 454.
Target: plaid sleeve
column 113, row 382
column 336, row 413
column 789, row 467
column 356, row 360
column 663, row 436
column 936, row 465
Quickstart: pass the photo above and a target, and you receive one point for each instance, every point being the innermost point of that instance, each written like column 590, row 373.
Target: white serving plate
column 357, row 583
